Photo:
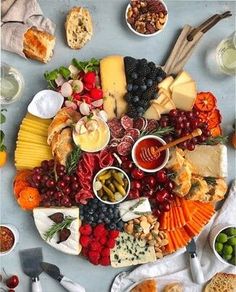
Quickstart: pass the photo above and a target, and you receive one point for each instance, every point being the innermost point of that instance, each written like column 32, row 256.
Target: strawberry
column 96, row 93
column 111, row 243
column 84, row 240
column 105, row 252
column 99, row 230
column 89, row 77
column 95, row 245
column 114, row 233
column 94, row 257
column 103, row 240
column 85, row 229
column 105, row 261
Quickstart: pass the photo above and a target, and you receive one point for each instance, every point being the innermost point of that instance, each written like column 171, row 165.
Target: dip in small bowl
column 9, row 237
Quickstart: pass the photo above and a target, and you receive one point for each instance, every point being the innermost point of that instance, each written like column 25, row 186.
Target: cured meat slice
column 140, row 124
column 127, row 138
column 105, row 158
column 152, row 125
column 124, row 148
column 134, row 133
column 126, row 122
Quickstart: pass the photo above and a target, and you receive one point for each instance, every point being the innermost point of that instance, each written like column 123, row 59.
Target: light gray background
column 111, row 36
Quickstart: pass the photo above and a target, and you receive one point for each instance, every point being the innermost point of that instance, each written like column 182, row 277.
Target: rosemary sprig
column 160, row 131
column 210, row 180
column 216, row 140
column 73, row 160
column 56, row 227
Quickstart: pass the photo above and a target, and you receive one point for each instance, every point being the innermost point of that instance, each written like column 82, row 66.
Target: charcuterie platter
column 83, row 169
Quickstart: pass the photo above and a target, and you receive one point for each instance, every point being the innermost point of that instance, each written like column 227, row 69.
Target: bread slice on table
column 222, row 282
column 146, row 286
column 38, row 45
column 79, row 27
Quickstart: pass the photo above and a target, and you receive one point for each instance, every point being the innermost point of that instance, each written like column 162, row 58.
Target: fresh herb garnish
column 216, row 140
column 160, row 131
column 171, row 175
column 52, row 76
column 87, row 66
column 2, row 135
column 56, row 227
column 73, row 160
column 210, row 180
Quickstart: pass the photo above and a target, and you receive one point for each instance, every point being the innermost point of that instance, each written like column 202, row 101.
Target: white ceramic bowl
column 135, row 160
column 212, row 239
column 108, row 168
column 16, row 237
column 142, row 34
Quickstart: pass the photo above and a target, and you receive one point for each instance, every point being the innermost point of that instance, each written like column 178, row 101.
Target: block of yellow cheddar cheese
column 112, row 70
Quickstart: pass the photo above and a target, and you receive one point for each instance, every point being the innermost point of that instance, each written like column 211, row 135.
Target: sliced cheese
column 43, row 223
column 161, row 109
column 131, row 251
column 166, row 83
column 182, row 77
column 184, row 95
column 143, row 207
column 152, row 113
column 165, row 101
column 165, row 92
column 113, row 80
column 208, row 160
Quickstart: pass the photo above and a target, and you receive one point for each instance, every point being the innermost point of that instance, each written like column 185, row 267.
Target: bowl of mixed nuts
column 146, row 18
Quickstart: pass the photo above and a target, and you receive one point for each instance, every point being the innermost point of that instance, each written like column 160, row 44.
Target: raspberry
column 114, row 233
column 111, row 243
column 103, row 240
column 95, row 245
column 84, row 240
column 85, row 229
column 94, row 257
column 96, row 93
column 105, row 252
column 89, row 77
column 85, row 252
column 99, row 230
column 105, row 261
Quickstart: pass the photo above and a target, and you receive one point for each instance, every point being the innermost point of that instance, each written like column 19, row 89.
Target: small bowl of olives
column 223, row 242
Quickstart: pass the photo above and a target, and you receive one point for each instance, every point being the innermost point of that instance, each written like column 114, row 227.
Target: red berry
column 85, row 229
column 103, row 240
column 12, row 282
column 96, row 93
column 105, row 252
column 114, row 233
column 94, row 257
column 105, row 261
column 84, row 240
column 99, row 230
column 156, row 213
column 95, row 245
column 111, row 243
column 137, row 173
column 85, row 252
column 161, row 176
column 134, row 194
column 166, row 206
column 135, row 184
column 127, row 165
column 150, row 181
column 89, row 77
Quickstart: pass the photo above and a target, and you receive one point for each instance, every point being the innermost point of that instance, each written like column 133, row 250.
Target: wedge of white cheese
column 208, row 160
column 128, row 211
column 131, row 251
column 43, row 223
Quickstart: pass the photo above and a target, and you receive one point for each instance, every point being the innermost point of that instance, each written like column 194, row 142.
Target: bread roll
column 146, row 286
column 79, row 27
column 38, row 45
column 173, row 287
column 222, row 282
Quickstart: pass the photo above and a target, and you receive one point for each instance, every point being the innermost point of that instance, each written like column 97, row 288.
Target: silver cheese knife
column 54, row 272
column 195, row 266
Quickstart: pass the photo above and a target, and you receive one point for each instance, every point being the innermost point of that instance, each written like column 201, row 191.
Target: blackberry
column 134, row 75
column 135, row 99
column 130, row 64
column 152, row 75
column 132, row 112
column 143, row 62
column 160, row 72
column 149, row 93
column 151, row 65
column 144, row 70
column 140, row 81
column 128, row 96
column 143, row 103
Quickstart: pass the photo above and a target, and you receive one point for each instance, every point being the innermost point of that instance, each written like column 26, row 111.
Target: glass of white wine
column 11, row 84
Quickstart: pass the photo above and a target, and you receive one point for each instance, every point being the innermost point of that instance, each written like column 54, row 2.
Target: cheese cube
column 208, row 160
column 152, row 113
column 184, row 95
column 166, row 83
column 182, row 77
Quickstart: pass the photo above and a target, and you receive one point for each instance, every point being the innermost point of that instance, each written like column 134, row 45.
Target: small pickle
column 118, row 196
column 118, row 178
column 112, row 187
column 105, row 176
column 109, row 193
column 100, row 193
column 125, row 184
column 119, row 188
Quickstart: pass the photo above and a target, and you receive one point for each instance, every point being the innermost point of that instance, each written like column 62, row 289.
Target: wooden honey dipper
column 153, row 152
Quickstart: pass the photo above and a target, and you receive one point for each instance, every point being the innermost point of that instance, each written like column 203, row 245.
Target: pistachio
column 159, row 255
column 151, row 242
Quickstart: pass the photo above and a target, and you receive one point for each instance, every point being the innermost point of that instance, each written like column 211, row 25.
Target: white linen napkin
column 17, row 16
column 176, row 267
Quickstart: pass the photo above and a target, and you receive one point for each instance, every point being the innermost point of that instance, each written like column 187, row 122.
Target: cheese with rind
column 143, row 207
column 181, row 78
column 166, row 83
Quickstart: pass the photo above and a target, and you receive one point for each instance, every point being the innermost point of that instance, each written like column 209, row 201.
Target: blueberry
column 129, row 87
column 110, row 210
column 93, row 224
column 116, row 212
column 95, row 215
column 149, row 82
column 95, row 200
column 128, row 97
column 81, row 217
column 135, row 87
column 140, row 109
column 120, row 225
column 107, row 220
column 134, row 75
column 103, row 208
column 159, row 79
column 112, row 226
column 139, row 114
column 91, row 211
column 143, row 87
column 135, row 98
column 81, row 211
column 100, row 204
column 99, row 221
column 101, row 215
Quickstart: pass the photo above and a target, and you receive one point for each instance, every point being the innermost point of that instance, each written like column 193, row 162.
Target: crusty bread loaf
column 173, row 287
column 79, row 27
column 222, row 282
column 146, row 286
column 38, row 45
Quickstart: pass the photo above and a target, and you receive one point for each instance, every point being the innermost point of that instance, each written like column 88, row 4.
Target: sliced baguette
column 222, row 282
column 38, row 45
column 79, row 27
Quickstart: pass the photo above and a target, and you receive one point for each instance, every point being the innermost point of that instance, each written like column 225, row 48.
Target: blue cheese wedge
column 134, row 209
column 43, row 223
column 131, row 251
